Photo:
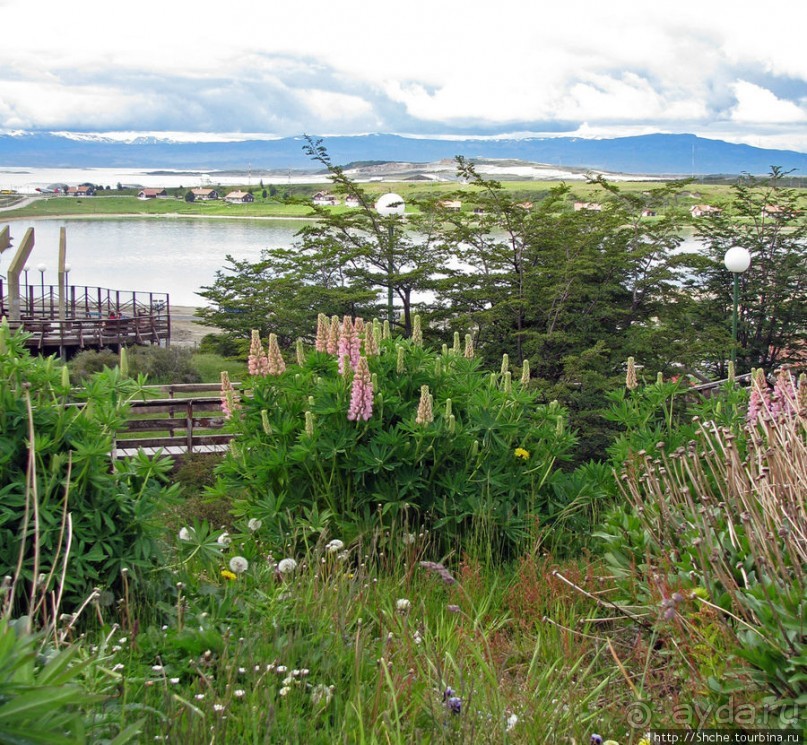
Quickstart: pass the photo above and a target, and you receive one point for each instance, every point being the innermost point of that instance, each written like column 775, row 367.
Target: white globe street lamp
column 389, row 205
column 737, row 260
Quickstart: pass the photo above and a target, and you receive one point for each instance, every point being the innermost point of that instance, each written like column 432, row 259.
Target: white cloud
column 354, row 65
column 759, row 105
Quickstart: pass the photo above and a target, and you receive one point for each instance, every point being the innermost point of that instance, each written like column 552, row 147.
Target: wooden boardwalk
column 88, row 318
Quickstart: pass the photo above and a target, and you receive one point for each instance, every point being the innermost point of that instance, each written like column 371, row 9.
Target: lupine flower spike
column 361, row 394
column 525, row 372
column 469, row 347
column 425, row 413
column 370, row 341
column 321, row 344
column 276, row 364
column 257, row 363
column 229, row 400
column 300, row 350
column 332, row 346
column 456, row 349
column 417, row 333
column 630, row 377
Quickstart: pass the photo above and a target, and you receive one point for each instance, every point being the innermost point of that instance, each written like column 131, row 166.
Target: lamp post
column 41, row 269
column 737, row 260
column 387, row 206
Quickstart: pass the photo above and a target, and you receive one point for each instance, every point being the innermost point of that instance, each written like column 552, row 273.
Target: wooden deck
column 88, row 318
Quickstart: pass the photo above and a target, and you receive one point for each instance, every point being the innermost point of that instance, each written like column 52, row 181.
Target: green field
column 296, row 199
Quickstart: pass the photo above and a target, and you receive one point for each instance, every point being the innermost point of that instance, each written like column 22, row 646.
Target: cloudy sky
column 718, row 68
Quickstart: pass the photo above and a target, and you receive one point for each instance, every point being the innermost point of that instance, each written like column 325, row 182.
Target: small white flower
column 281, row 669
column 186, row 534
column 333, row 546
column 321, row 695
column 157, row 668
column 512, row 721
column 117, row 667
column 239, row 564
column 224, row 539
column 254, row 524
column 173, row 681
column 239, row 693
column 218, row 707
column 199, row 696
column 288, row 680
column 286, row 566
column 284, row 690
column 403, row 605
column 408, row 539
column 417, row 637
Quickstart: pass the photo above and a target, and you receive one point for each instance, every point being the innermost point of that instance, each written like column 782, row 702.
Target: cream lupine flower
column 300, row 351
column 386, row 332
column 370, row 341
column 332, row 346
column 469, row 346
column 425, row 413
column 456, row 349
column 321, row 344
column 276, row 363
column 309, row 423
column 505, row 363
column 525, row 372
column 417, row 332
column 400, row 366
column 257, row 363
column 630, row 376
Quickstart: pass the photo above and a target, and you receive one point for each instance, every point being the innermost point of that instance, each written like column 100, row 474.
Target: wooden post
column 189, row 426
column 14, row 269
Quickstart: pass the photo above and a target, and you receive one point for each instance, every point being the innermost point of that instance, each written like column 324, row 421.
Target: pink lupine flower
column 229, row 399
column 785, row 396
column 332, row 346
column 257, row 364
column 321, row 344
column 349, row 344
column 277, row 365
column 361, row 393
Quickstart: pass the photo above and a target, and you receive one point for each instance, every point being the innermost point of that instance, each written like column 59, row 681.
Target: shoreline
column 169, row 215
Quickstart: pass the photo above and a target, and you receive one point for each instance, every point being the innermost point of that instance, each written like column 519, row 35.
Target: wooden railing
column 181, row 420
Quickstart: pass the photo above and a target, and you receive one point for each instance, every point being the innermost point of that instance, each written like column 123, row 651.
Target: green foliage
column 710, row 524
column 764, row 217
column 41, row 699
column 63, row 503
column 160, row 364
column 460, row 474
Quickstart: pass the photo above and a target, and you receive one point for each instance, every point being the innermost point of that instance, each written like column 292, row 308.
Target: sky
column 720, row 69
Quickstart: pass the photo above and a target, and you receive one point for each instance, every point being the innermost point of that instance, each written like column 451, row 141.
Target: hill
column 656, row 154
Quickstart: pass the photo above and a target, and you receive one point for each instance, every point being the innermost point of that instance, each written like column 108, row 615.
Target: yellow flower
column 227, row 574
column 521, row 453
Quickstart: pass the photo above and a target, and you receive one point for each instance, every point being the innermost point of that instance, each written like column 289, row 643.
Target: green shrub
column 63, row 503
column 449, row 446
column 162, row 365
column 717, row 524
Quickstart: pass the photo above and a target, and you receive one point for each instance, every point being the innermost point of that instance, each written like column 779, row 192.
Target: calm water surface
column 172, row 255
column 177, row 256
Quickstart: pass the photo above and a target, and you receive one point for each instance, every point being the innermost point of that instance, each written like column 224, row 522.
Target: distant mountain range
column 656, row 154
